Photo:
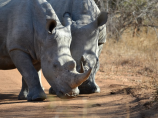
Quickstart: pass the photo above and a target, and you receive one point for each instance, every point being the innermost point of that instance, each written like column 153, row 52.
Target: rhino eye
column 97, row 59
column 55, row 65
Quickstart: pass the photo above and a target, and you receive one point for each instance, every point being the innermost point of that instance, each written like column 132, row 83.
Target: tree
column 130, row 13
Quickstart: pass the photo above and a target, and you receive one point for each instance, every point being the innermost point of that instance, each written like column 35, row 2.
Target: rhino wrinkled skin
column 88, row 36
column 32, row 37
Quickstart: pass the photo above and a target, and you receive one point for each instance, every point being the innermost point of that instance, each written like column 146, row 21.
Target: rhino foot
column 36, row 95
column 51, row 91
column 88, row 88
column 23, row 95
column 36, row 98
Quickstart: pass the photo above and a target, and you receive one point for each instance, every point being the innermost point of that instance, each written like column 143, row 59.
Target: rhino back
column 74, row 7
column 16, row 24
column 20, row 27
column 61, row 6
column 5, row 11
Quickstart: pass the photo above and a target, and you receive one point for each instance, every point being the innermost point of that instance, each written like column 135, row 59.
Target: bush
column 125, row 14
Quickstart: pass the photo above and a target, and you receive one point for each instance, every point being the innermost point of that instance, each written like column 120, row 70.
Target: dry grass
column 132, row 59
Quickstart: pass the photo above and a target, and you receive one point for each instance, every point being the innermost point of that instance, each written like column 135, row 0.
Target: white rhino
column 32, row 37
column 88, row 36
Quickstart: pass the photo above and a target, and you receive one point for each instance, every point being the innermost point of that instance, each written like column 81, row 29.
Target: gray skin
column 32, row 37
column 90, row 85
column 88, row 36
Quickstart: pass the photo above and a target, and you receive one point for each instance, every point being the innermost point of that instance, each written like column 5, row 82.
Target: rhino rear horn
column 82, row 69
column 83, row 58
column 102, row 18
column 51, row 24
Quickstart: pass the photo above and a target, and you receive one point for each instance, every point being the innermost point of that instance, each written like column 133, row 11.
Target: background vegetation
column 131, row 13
column 131, row 49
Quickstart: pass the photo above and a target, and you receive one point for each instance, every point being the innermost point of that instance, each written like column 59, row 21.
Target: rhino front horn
column 80, row 78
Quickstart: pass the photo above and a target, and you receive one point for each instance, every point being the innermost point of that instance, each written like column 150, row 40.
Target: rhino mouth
column 71, row 94
column 67, row 95
column 60, row 93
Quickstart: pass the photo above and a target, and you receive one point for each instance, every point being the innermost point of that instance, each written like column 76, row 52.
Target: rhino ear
column 51, row 24
column 102, row 18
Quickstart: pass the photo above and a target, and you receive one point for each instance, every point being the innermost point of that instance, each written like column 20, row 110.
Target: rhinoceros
column 32, row 37
column 85, row 48
column 88, row 36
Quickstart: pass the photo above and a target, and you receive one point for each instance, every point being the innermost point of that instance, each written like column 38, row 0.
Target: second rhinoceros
column 32, row 37
column 88, row 36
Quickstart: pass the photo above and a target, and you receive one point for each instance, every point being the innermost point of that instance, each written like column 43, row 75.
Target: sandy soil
column 118, row 99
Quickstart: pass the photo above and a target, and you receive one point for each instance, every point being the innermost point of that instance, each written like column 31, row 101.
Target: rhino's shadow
column 13, row 98
column 9, row 99
column 8, row 96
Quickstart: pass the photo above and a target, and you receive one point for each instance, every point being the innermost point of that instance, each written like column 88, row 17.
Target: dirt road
column 117, row 100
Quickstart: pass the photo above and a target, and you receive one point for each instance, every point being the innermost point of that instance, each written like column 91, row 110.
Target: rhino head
column 58, row 66
column 84, row 47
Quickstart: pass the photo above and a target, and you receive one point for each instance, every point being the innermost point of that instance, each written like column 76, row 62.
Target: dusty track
column 116, row 100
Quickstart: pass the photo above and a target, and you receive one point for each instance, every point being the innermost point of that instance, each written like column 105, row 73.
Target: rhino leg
column 39, row 75
column 51, row 91
column 24, row 89
column 38, row 67
column 23, row 62
column 89, row 86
